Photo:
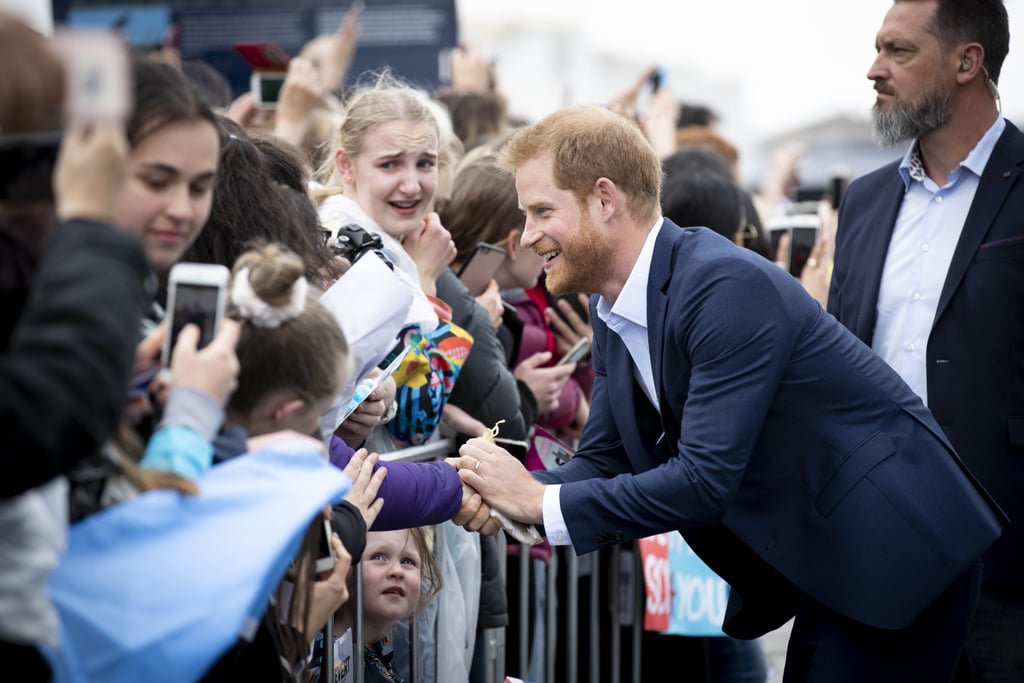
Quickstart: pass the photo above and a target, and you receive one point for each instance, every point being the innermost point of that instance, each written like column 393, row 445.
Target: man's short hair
column 974, row 21
column 589, row 142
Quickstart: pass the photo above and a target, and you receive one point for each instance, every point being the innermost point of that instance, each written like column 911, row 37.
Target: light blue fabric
column 178, row 449
column 158, row 587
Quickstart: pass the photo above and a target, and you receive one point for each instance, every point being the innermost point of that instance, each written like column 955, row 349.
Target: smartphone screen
column 836, row 186
column 577, row 353
column 801, row 242
column 325, row 553
column 266, row 88
column 801, row 231
column 195, row 303
column 98, row 75
column 480, row 267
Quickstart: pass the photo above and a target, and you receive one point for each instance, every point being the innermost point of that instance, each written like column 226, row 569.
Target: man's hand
column 475, row 514
column 501, row 480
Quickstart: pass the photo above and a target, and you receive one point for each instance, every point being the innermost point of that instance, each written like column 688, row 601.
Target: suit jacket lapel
column 881, row 222
column 999, row 175
column 657, row 300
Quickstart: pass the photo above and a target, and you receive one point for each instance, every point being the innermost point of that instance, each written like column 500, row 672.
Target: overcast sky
column 780, row 63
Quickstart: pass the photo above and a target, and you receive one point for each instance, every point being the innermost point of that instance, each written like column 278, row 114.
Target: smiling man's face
column 578, row 256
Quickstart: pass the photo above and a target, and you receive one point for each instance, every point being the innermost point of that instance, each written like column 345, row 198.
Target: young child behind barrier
column 400, row 578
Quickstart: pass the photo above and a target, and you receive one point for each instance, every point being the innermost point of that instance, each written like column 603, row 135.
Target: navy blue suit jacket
column 787, row 453
column 975, row 356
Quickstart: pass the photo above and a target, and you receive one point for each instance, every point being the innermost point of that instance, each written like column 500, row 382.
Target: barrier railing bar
column 550, row 619
column 524, row 609
column 572, row 603
column 615, row 604
column 639, row 596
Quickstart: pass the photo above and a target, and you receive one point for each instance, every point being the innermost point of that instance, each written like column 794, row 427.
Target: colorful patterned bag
column 425, row 379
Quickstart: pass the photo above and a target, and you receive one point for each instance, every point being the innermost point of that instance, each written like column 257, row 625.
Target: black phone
column 325, row 558
column 657, row 79
column 802, row 230
column 477, row 270
column 801, row 242
column 836, row 187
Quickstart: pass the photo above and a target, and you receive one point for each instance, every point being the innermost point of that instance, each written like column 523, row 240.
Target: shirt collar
column 912, row 167
column 632, row 301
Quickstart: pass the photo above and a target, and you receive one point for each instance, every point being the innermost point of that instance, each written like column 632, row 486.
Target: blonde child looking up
column 400, row 578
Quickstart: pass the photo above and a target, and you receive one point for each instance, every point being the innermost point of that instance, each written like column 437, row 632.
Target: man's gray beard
column 903, row 123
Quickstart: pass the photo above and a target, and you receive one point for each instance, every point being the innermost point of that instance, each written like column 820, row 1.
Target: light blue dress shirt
column 921, row 248
column 627, row 317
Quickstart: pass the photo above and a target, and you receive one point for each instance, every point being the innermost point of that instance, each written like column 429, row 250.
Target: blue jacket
column 975, row 354
column 788, row 454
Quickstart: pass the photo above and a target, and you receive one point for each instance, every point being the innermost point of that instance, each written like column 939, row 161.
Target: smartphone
column 366, row 385
column 265, row 87
column 802, row 230
column 577, row 353
column 836, row 187
column 480, row 267
column 657, row 79
column 196, row 293
column 98, row 75
column 325, row 557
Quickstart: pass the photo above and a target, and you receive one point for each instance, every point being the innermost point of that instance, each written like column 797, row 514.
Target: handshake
column 494, row 484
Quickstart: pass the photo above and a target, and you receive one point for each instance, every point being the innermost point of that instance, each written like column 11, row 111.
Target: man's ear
column 608, row 195
column 971, row 60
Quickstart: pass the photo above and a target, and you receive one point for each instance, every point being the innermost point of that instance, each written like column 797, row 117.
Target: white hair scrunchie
column 259, row 311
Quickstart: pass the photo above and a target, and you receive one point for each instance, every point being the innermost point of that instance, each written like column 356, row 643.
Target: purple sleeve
column 414, row 493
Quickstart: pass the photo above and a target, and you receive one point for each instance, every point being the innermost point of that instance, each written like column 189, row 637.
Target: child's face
column 394, row 178
column 391, row 577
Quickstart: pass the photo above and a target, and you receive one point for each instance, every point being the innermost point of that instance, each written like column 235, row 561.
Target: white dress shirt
column 920, row 251
column 627, row 317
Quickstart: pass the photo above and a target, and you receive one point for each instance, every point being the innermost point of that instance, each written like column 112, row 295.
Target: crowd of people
column 841, row 445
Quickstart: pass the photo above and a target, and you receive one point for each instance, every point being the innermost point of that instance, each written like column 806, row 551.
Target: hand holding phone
column 325, row 558
column 481, row 265
column 269, row 64
column 793, row 237
column 578, row 352
column 212, row 369
column 98, row 68
column 196, row 293
column 367, row 385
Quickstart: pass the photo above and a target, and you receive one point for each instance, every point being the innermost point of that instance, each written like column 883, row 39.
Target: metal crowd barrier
column 626, row 610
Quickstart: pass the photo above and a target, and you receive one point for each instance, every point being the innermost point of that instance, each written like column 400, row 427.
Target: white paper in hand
column 371, row 305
